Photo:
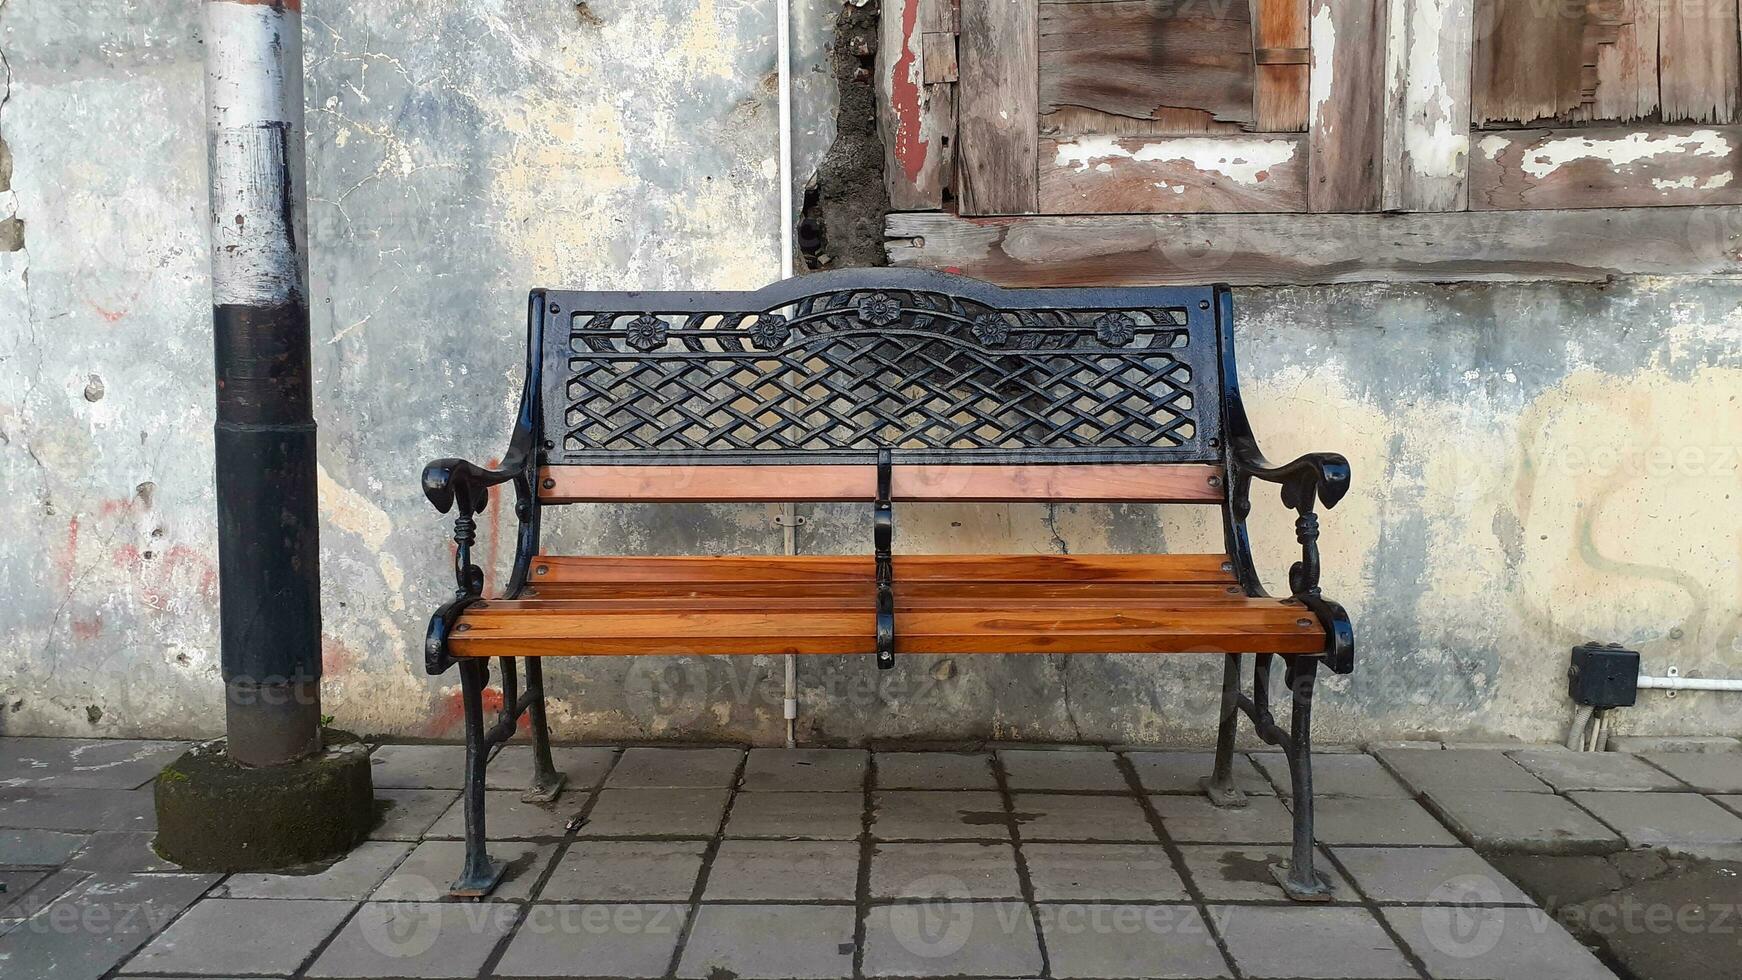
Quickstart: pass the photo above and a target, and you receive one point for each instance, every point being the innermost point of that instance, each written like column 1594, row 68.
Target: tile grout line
column 867, row 850
column 708, row 855
column 580, row 820
column 1177, row 857
column 1023, row 882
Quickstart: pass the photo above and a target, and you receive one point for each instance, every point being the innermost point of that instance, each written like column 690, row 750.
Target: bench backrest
column 788, row 392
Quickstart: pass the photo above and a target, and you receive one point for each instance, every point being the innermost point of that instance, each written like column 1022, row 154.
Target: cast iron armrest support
column 1316, row 478
column 458, row 484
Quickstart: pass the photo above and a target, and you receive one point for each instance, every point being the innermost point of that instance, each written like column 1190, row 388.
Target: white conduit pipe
column 1689, row 683
column 783, row 67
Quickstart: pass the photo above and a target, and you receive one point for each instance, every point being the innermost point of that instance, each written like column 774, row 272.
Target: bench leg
column 1298, row 878
column 547, row 782
column 480, row 875
column 1219, row 784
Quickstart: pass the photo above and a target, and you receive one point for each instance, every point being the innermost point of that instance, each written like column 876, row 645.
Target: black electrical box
column 1603, row 675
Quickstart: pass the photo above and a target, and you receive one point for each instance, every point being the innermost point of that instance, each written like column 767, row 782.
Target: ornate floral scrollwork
column 991, row 329
column 646, row 332
column 1115, row 329
column 879, row 309
column 770, row 331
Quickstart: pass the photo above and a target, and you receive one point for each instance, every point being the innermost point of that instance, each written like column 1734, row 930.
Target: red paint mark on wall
column 450, row 713
column 112, row 316
column 336, row 657
column 493, row 547
column 904, row 95
column 87, row 628
column 69, row 556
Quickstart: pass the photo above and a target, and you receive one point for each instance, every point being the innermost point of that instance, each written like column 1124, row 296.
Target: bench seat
column 945, row 604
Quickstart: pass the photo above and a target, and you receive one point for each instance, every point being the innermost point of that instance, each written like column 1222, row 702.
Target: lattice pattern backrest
column 938, row 368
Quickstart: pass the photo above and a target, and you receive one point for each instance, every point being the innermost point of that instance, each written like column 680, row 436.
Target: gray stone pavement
column 715, row 862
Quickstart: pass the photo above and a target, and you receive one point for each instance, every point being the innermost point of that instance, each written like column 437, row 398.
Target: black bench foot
column 1312, row 886
column 1219, row 784
column 479, row 879
column 545, row 788
column 1228, row 797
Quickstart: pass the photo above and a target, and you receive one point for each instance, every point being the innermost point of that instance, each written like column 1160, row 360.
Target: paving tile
column 654, row 768
column 1613, row 771
column 770, row 941
column 1161, row 941
column 1242, row 873
column 1453, row 771
column 351, row 878
column 656, row 813
column 1355, row 821
column 84, row 763
column 1471, row 943
column 241, row 935
column 1663, row 819
column 935, row 770
column 1428, row 876
column 1531, row 823
column 407, row 814
column 84, row 933
column 507, row 817
column 1335, row 941
column 782, row 870
column 1708, row 772
column 416, row 939
column 418, row 766
column 444, row 766
column 1038, row 769
column 1194, row 819
column 64, row 809
column 584, row 765
column 1734, row 803
column 1049, row 816
column 806, row 770
column 914, row 815
column 813, row 816
column 951, row 939
column 963, row 871
column 626, row 871
column 1337, row 775
column 28, row 892
column 1081, row 872
column 124, row 851
column 1179, row 772
column 37, row 848
column 424, row 876
column 594, row 940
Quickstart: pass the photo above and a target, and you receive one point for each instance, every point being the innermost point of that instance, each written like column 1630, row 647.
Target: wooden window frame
column 1413, row 220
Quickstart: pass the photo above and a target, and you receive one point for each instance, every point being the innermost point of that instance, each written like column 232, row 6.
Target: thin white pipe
column 1577, row 728
column 1689, row 683
column 783, row 59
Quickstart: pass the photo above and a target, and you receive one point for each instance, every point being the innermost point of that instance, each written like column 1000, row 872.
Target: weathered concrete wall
column 1535, row 464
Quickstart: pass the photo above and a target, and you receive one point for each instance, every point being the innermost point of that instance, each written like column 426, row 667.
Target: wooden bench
column 886, row 386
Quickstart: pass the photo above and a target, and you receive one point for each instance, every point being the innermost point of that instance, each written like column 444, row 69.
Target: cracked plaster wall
column 1535, row 464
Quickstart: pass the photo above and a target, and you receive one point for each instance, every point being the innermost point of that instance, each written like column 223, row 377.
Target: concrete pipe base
column 214, row 814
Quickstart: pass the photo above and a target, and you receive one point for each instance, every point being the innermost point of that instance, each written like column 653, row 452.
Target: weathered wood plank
column 1346, row 86
column 1181, row 67
column 1590, row 245
column 1430, row 136
column 1172, row 174
column 1606, row 168
column 1529, row 60
column 996, row 108
column 916, row 120
column 1697, row 61
column 1281, row 47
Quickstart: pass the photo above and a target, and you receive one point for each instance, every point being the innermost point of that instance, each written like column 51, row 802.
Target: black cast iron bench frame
column 882, row 369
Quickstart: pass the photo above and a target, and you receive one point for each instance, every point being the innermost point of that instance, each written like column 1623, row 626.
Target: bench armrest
column 1321, row 475
column 1315, row 478
column 450, row 481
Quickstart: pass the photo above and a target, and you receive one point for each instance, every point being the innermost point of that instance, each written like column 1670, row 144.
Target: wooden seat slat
column 863, row 591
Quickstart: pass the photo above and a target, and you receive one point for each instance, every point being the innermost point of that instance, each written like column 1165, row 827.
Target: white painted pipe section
column 783, row 59
column 1689, row 683
column 254, row 129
